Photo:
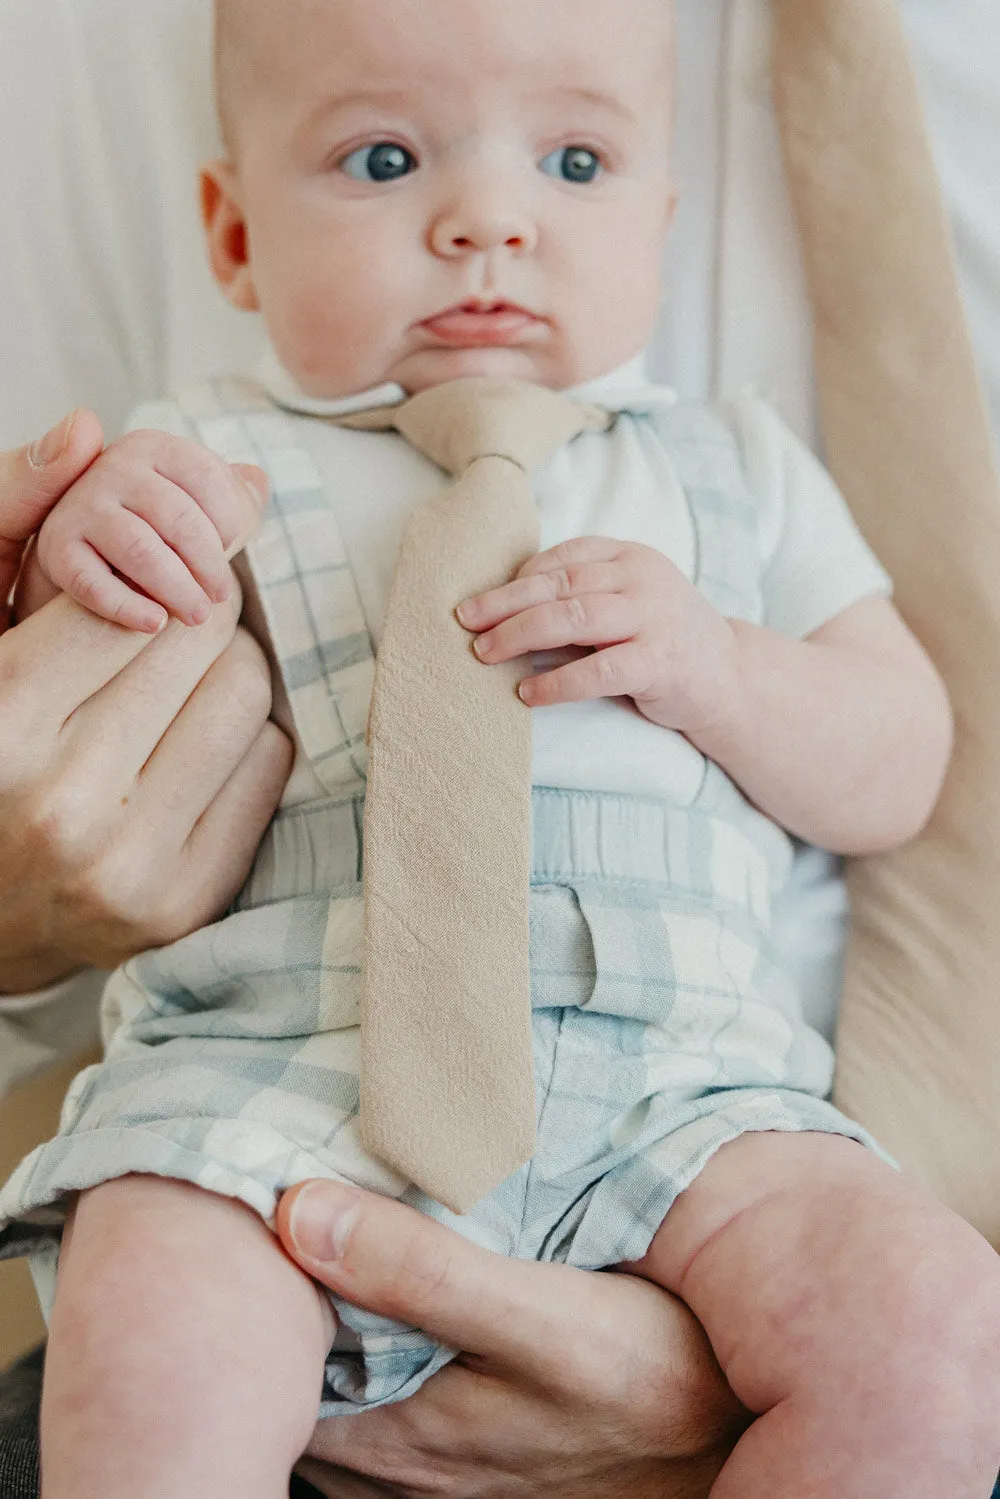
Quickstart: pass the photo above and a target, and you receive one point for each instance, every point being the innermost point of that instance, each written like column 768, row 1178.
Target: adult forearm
column 844, row 742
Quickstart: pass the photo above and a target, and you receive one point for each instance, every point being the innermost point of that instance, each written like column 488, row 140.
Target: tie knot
column 456, row 423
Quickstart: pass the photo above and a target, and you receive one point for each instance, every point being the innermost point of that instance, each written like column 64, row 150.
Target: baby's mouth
column 482, row 324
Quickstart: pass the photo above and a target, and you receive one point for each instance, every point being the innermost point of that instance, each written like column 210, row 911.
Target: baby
column 419, row 192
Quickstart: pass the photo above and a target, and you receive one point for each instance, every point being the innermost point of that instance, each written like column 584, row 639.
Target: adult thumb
column 34, row 477
column 392, row 1260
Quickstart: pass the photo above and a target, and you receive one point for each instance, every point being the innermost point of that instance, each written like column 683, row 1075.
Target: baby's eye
column 572, row 164
column 385, row 162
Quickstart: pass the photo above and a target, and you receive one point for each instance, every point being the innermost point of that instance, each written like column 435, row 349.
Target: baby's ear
column 227, row 235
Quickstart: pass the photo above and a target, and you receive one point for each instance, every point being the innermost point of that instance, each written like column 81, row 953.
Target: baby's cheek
column 310, row 342
column 331, row 337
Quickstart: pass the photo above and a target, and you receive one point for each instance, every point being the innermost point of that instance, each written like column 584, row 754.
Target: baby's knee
column 944, row 1303
column 931, row 1355
column 130, row 1239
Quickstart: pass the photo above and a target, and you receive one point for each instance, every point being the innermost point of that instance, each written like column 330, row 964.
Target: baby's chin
column 431, row 367
column 421, row 369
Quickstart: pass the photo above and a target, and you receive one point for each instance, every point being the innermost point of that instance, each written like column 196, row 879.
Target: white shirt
column 621, row 484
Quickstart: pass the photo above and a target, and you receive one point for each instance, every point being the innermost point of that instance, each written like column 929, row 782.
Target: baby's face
column 427, row 189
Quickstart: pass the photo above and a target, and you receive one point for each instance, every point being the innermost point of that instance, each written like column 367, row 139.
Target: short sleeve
column 815, row 561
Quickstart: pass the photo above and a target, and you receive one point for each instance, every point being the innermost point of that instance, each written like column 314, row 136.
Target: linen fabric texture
column 447, row 1081
column 662, row 1024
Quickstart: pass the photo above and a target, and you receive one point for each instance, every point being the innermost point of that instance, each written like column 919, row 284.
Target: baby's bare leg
column 858, row 1317
column 186, row 1351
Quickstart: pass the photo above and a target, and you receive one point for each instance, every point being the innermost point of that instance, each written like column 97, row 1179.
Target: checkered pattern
column 663, row 1027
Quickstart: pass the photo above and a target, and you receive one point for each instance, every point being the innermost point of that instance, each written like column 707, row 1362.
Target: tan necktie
column 908, row 440
column 447, row 1081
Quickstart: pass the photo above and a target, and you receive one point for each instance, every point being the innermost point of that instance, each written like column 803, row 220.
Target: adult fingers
column 136, row 709
column 32, row 478
column 459, row 1424
column 186, row 833
column 58, row 659
column 208, row 739
column 222, row 845
column 340, row 1483
column 393, row 1260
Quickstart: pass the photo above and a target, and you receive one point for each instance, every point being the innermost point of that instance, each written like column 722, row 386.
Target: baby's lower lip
column 475, row 328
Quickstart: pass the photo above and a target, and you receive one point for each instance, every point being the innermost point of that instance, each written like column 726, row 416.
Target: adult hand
column 137, row 775
column 569, row 1384
column 32, row 479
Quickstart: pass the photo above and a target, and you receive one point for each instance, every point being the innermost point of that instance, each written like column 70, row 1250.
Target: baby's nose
column 478, row 223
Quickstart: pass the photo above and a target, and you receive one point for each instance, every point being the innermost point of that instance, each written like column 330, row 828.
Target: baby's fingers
column 135, row 550
column 82, row 573
column 186, row 528
column 542, row 586
column 613, row 672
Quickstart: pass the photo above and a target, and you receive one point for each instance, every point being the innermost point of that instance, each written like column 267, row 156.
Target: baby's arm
column 146, row 534
column 843, row 738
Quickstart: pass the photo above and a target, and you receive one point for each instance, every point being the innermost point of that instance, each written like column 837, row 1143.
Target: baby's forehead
column 277, row 46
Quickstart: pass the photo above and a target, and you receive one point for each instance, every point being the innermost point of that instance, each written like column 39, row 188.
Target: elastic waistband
column 578, row 837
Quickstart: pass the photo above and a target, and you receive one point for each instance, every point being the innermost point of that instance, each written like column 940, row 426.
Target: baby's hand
column 154, row 511
column 652, row 636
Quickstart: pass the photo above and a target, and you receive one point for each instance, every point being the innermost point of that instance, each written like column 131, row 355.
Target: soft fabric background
column 105, row 111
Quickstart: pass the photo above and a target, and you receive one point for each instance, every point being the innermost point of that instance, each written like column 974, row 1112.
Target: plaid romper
column 664, row 1026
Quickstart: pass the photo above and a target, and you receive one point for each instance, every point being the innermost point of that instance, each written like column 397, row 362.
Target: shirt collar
column 627, row 388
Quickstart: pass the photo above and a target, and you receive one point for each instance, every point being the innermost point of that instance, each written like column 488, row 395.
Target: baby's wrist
column 722, row 721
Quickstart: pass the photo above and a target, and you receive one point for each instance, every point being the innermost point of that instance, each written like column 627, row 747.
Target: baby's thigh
column 141, row 1247
column 816, row 1269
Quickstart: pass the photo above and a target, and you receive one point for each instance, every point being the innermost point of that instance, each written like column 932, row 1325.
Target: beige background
column 28, row 1116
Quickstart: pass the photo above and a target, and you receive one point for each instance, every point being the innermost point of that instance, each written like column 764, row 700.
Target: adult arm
column 570, row 1384
column 137, row 775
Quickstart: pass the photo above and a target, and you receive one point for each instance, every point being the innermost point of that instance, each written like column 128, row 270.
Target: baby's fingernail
column 322, row 1221
column 149, row 624
column 52, row 446
column 256, row 482
column 483, row 646
column 201, row 612
column 526, row 691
